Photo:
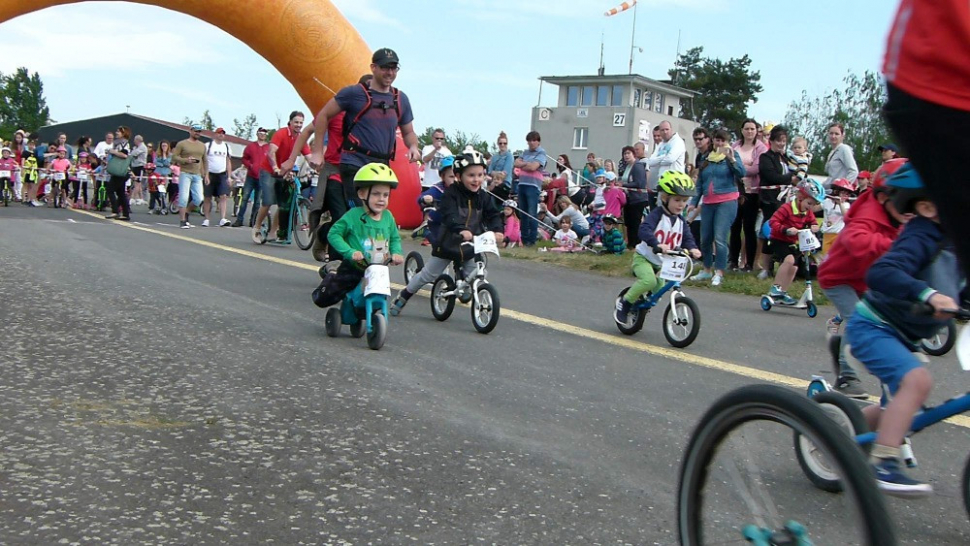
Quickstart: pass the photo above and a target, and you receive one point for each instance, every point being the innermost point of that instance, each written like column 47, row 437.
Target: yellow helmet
column 373, row 174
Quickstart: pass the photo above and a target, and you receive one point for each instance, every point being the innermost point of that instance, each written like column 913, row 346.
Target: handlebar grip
column 924, row 309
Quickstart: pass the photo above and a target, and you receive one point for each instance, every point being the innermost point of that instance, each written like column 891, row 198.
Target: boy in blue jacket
column 429, row 198
column 884, row 332
column 664, row 228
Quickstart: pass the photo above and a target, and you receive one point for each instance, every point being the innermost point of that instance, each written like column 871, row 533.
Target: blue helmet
column 447, row 162
column 905, row 188
column 812, row 188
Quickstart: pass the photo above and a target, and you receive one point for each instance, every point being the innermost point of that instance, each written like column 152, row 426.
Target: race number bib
column 82, row 176
column 162, row 188
column 485, row 243
column 58, row 176
column 377, row 280
column 807, row 241
column 4, row 174
column 674, row 268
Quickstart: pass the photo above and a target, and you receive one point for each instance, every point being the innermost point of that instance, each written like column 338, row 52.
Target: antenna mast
column 633, row 35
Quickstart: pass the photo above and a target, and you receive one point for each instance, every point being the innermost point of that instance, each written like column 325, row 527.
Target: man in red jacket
column 871, row 226
column 254, row 157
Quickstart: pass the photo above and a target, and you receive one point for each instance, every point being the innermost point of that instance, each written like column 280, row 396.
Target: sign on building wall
column 643, row 132
column 619, row 119
column 582, row 113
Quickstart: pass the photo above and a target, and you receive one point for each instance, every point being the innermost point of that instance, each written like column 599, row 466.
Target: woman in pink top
column 750, row 149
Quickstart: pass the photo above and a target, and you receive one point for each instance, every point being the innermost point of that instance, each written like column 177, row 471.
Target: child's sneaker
column 622, row 314
column 398, row 305
column 702, row 276
column 891, row 479
column 833, row 324
column 776, row 291
column 788, row 300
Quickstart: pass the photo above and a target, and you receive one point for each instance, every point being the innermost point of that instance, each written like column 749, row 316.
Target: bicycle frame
column 927, row 417
column 462, row 283
column 295, row 197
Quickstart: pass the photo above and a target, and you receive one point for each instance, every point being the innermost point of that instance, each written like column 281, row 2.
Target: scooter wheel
column 333, row 322
column 765, row 303
column 815, row 387
column 812, row 310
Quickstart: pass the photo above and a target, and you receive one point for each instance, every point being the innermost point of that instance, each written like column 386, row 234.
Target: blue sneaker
column 894, row 482
column 787, row 300
column 398, row 305
column 776, row 291
column 622, row 314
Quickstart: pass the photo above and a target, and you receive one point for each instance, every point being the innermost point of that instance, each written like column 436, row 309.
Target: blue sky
column 466, row 64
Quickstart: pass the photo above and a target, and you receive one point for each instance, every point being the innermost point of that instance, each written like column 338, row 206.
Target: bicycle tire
column 942, row 342
column 301, row 225
column 684, row 304
column 778, row 405
column 486, row 311
column 413, row 264
column 845, row 413
column 378, row 333
column 638, row 315
column 965, row 486
column 442, row 306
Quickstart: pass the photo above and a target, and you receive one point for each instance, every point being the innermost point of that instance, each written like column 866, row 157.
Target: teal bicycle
column 296, row 210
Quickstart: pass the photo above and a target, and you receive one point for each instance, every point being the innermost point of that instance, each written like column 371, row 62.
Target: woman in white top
column 841, row 161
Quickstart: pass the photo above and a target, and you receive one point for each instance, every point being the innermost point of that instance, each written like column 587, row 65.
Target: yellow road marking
column 625, row 342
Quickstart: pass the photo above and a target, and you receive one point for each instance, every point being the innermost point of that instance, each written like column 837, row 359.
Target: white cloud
column 364, row 10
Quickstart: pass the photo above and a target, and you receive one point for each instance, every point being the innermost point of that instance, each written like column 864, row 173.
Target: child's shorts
column 782, row 249
column 885, row 353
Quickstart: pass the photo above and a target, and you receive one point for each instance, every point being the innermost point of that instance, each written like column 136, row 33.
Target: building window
column 648, row 100
column 603, row 95
column 572, row 95
column 617, row 96
column 636, row 97
column 587, row 95
column 580, row 138
column 670, row 111
column 659, row 103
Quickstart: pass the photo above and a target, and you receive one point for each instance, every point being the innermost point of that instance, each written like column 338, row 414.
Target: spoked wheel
column 442, row 306
column 847, row 415
column 375, row 338
column 333, row 322
column 940, row 343
column 485, row 308
column 636, row 316
column 413, row 265
column 682, row 325
column 301, row 225
column 735, row 480
column 173, row 205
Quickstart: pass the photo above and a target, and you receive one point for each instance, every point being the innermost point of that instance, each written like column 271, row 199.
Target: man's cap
column 865, row 174
column 891, row 147
column 262, row 130
column 196, row 127
column 384, row 57
column 221, row 131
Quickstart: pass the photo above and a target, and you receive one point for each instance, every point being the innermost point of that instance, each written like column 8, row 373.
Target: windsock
column 621, row 8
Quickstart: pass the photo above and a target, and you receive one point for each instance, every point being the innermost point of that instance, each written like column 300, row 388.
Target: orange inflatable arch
column 309, row 38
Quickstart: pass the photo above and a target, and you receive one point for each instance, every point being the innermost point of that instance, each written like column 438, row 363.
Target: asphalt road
column 167, row 386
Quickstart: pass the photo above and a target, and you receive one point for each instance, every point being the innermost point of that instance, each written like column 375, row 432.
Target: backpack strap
column 352, row 144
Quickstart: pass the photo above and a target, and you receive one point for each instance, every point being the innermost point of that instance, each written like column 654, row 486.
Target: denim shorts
column 190, row 183
column 267, row 188
column 883, row 351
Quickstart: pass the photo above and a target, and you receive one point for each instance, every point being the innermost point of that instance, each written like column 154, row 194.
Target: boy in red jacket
column 785, row 224
column 871, row 226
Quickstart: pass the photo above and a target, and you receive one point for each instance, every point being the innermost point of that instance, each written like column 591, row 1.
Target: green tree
column 245, row 128
column 22, row 103
column 724, row 89
column 857, row 106
column 206, row 121
column 455, row 142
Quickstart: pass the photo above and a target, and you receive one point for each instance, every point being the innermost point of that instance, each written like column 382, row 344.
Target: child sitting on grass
column 663, row 229
column 884, row 333
column 785, row 225
column 613, row 242
column 565, row 238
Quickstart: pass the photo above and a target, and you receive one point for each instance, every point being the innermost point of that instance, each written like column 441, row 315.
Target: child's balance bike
column 474, row 289
column 364, row 308
column 682, row 318
column 807, row 244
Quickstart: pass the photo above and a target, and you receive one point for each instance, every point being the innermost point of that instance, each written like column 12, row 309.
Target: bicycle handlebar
column 925, row 309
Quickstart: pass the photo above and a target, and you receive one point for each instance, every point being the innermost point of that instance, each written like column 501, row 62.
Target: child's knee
column 918, row 381
column 789, row 260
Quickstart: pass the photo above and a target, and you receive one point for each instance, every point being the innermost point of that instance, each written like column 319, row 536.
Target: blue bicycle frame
column 654, row 299
column 928, row 417
column 357, row 300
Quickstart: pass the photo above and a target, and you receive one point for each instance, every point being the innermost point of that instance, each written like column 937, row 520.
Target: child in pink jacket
column 615, row 199
column 513, row 235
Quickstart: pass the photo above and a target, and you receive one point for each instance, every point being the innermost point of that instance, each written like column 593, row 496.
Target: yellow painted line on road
column 617, row 341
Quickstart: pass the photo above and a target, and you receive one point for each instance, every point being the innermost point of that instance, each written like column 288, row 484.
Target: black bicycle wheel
column 486, row 308
column 845, row 413
column 942, row 342
column 301, row 225
column 681, row 327
column 636, row 317
column 965, row 486
column 376, row 337
column 442, row 306
column 735, row 480
column 413, row 264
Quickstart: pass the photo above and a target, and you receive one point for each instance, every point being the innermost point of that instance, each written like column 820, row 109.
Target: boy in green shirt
column 362, row 236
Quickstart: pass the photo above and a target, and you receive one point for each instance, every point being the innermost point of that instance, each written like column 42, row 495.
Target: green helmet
column 373, row 174
column 677, row 183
